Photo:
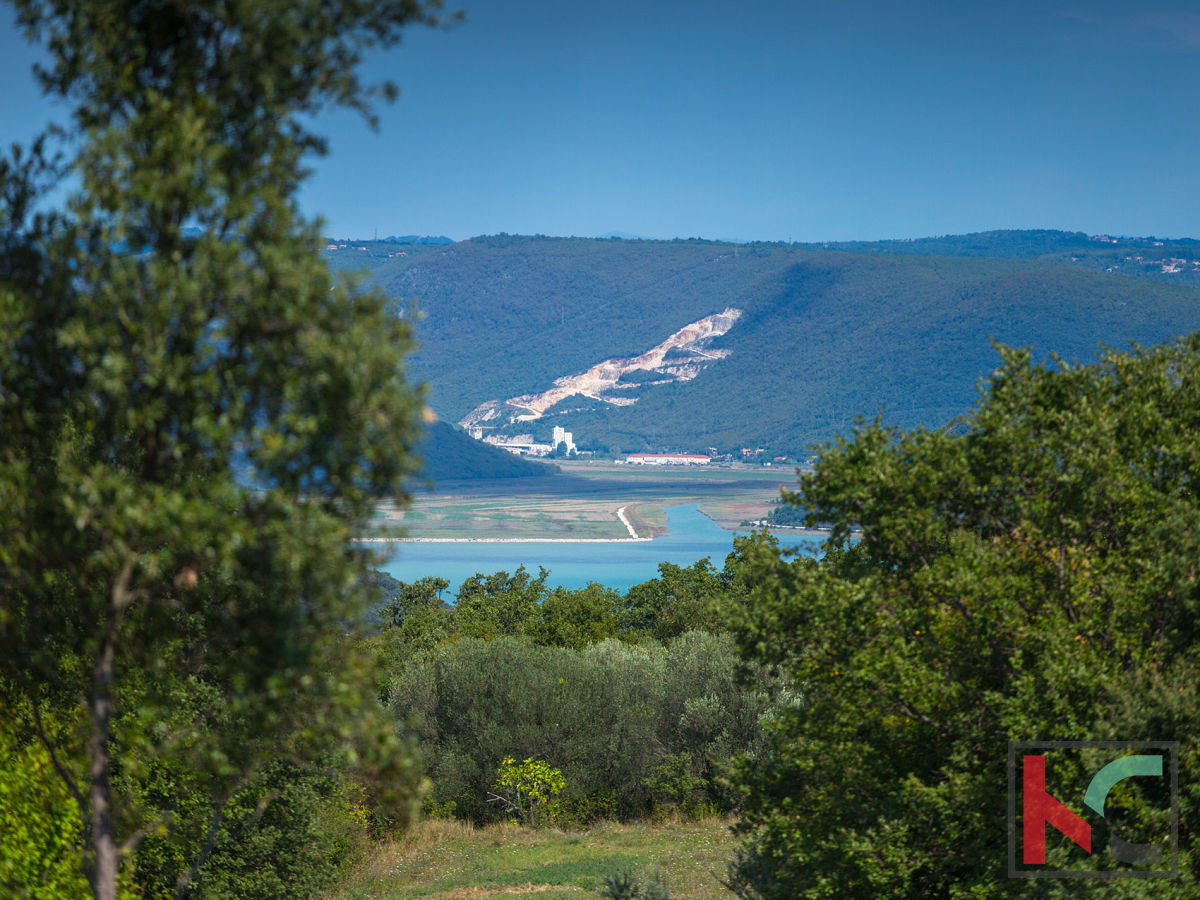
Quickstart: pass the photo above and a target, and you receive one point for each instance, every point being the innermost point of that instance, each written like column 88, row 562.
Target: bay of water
column 690, row 536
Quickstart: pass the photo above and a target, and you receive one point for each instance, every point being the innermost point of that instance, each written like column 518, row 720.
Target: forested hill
column 821, row 335
column 447, row 453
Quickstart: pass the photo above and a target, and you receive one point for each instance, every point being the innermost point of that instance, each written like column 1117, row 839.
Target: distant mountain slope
column 449, row 454
column 682, row 356
column 823, row 335
column 905, row 338
column 505, row 316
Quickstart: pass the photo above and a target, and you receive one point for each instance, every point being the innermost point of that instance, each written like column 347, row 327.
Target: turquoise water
column 690, row 536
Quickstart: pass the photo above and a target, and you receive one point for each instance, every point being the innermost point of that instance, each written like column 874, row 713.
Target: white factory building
column 562, row 436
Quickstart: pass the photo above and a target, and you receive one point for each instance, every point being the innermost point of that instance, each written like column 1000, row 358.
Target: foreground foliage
column 39, row 829
column 195, row 417
column 1033, row 576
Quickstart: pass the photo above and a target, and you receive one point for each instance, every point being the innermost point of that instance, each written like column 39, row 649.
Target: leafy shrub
column 672, row 783
column 527, row 787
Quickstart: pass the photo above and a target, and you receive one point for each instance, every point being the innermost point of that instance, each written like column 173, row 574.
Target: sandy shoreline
column 780, row 530
column 528, row 540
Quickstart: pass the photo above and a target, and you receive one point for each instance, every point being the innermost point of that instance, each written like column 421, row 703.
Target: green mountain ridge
column 1175, row 260
column 826, row 335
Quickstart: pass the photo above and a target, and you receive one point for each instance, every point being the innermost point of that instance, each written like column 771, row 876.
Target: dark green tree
column 416, row 602
column 576, row 618
column 195, row 417
column 417, row 618
column 1029, row 575
column 687, row 598
column 488, row 606
column 680, row 598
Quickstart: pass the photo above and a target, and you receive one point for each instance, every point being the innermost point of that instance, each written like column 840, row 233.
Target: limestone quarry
column 680, row 357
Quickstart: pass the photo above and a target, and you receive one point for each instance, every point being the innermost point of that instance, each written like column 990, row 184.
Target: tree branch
column 210, row 844
column 510, row 806
column 71, row 784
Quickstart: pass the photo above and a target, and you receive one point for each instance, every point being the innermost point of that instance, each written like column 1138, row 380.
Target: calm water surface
column 691, row 536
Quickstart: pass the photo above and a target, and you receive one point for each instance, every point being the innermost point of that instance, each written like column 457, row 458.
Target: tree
column 527, row 787
column 1030, row 575
column 195, row 418
column 415, row 598
column 576, row 618
column 488, row 606
column 686, row 598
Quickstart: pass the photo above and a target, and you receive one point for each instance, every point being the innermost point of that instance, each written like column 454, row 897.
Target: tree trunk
column 106, row 853
column 104, row 838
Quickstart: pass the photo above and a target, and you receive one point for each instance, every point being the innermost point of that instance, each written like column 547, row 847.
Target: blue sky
column 764, row 120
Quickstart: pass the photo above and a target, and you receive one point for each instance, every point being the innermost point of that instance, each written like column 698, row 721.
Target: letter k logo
column 1041, row 808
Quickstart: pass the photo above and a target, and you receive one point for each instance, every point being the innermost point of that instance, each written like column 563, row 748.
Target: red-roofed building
column 667, row 459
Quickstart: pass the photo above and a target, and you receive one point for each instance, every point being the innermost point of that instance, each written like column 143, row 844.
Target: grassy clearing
column 444, row 860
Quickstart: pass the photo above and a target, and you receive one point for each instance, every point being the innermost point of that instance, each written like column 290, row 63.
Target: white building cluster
column 521, row 444
column 525, row 445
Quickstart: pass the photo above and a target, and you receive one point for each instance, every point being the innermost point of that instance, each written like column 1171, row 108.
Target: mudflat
column 582, row 502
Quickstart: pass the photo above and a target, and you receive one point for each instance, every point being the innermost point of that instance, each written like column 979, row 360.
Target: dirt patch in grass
column 522, row 889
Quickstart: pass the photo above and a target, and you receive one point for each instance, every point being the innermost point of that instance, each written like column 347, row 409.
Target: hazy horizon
column 774, row 121
column 358, row 238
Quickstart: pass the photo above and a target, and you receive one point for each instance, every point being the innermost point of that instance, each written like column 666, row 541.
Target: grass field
column 582, row 502
column 443, row 860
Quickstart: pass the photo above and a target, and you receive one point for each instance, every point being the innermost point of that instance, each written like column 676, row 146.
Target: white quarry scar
column 690, row 341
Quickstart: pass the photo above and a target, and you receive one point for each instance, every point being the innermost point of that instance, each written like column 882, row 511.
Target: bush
column 39, row 822
column 625, row 885
column 527, row 787
column 606, row 716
